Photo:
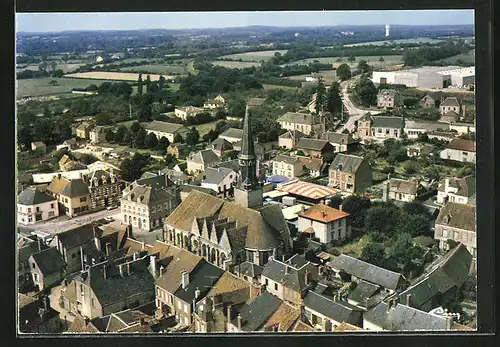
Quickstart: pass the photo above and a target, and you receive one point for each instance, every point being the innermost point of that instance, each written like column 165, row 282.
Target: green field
column 41, row 86
column 235, row 64
column 466, row 57
column 273, row 86
column 380, row 43
column 372, row 60
column 190, row 68
column 160, row 69
column 205, row 128
column 253, row 56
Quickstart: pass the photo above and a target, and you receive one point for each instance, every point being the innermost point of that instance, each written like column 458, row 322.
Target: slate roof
column 323, row 213
column 233, row 132
column 26, row 250
column 164, row 127
column 403, row 186
column 76, row 237
column 70, row 188
column 366, row 271
column 363, row 291
column 264, row 225
column 220, row 144
column 462, row 145
column 298, row 118
column 337, row 138
column 312, row 163
column 286, row 159
column 231, row 164
column 458, row 216
column 151, row 194
column 206, row 157
column 248, row 269
column 349, row 163
column 186, row 188
column 153, row 180
column 49, row 261
column 403, row 318
column 284, row 317
column 314, row 144
column 435, row 95
column 340, row 312
column 203, row 278
column 450, row 101
column 387, row 122
column 32, row 196
column 227, row 283
column 466, row 185
column 294, row 279
column 255, row 314
column 216, row 175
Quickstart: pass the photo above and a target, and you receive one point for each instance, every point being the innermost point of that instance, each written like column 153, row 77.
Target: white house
column 459, row 190
column 188, row 111
column 326, row 223
column 34, row 206
column 303, row 122
column 287, row 166
column 221, row 180
column 164, row 129
column 460, row 150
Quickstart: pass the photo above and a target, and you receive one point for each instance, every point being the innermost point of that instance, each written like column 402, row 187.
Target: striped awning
column 308, row 190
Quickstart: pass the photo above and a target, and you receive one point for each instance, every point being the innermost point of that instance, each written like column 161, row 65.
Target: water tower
column 387, row 28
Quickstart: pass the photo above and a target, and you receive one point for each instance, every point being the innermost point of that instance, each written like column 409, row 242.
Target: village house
column 401, row 190
column 39, row 146
column 178, row 150
column 97, row 135
column 341, row 142
column 359, row 270
column 220, row 146
column 35, row 206
column 110, row 286
column 105, row 189
column 70, row 144
column 326, row 314
column 67, row 164
column 249, row 272
column 221, row 180
column 26, row 247
column 306, row 123
column 350, row 173
column 443, row 283
column 199, row 161
column 47, row 268
column 449, row 117
column 387, row 127
column 289, row 280
column 289, row 139
column 451, row 103
column 287, row 166
column 72, row 195
column 167, row 130
column 186, row 112
column 76, row 246
column 147, row 201
column 325, row 223
column 431, row 100
column 457, row 223
column 314, row 166
column 395, row 316
column 252, row 316
column 460, row 150
column 388, row 98
column 36, row 316
column 455, row 189
column 315, row 148
column 215, row 103
column 413, row 129
column 420, row 150
column 83, row 130
column 232, row 135
column 226, row 233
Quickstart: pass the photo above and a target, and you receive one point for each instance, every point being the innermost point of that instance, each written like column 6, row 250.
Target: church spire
column 247, row 156
column 247, row 146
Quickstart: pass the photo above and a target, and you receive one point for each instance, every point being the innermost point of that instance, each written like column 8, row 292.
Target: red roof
column 308, row 190
column 323, row 213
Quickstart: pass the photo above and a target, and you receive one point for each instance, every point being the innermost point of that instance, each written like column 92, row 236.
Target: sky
column 47, row 22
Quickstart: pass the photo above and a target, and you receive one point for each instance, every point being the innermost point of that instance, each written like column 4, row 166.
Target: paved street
column 63, row 223
column 355, row 113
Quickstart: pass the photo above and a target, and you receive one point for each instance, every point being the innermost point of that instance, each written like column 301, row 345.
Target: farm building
column 426, row 77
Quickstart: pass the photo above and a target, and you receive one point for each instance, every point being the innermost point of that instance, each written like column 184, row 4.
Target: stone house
column 460, row 150
column 83, row 130
column 105, row 189
column 167, row 130
column 315, row 148
column 72, row 195
column 97, row 135
column 35, row 206
column 341, row 142
column 221, row 180
column 324, row 222
column 47, row 268
column 451, row 103
column 199, row 161
column 289, row 139
column 401, row 190
column 306, row 123
column 431, row 100
column 189, row 111
column 36, row 316
column 350, row 173
column 314, row 166
column 455, row 189
column 220, row 146
column 388, row 98
column 287, row 166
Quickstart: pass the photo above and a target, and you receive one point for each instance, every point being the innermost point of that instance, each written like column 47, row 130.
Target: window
column 66, row 200
column 445, row 233
column 379, row 130
column 30, row 219
column 38, row 209
column 93, row 302
column 33, row 265
column 276, row 286
column 387, row 131
column 464, row 237
column 29, row 209
column 455, row 236
column 267, row 281
column 84, row 199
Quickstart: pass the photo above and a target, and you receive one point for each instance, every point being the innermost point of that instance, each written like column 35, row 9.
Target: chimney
column 81, row 258
column 449, row 322
column 340, row 207
column 120, row 267
column 229, row 312
column 286, row 269
column 446, row 184
column 335, row 298
column 185, row 279
column 105, row 272
column 238, row 319
column 408, row 300
column 197, row 293
column 128, row 268
column 39, row 244
column 161, row 270
column 152, row 261
column 108, row 248
column 307, row 277
column 142, row 321
column 143, row 245
column 388, row 305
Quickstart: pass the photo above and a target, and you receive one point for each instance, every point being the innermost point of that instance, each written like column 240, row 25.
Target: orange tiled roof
column 323, row 213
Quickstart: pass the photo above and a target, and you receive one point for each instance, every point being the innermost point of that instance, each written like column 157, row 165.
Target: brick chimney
column 238, row 320
column 229, row 310
column 108, row 248
column 306, row 277
column 408, row 300
column 105, row 272
column 286, row 269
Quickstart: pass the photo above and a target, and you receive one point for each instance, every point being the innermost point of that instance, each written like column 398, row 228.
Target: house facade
column 83, row 130
column 350, row 173
column 199, row 161
column 105, row 189
column 314, row 148
column 340, row 142
column 34, row 206
column 431, row 100
column 388, row 98
column 287, row 166
column 167, row 130
column 72, row 195
column 324, row 222
column 47, row 268
column 458, row 190
column 303, row 122
column 188, row 111
column 460, row 150
column 221, row 180
column 97, row 135
column 450, row 104
column 401, row 190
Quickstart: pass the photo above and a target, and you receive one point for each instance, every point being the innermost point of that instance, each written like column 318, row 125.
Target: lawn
column 353, row 248
column 161, row 69
column 372, row 60
column 190, row 68
column 41, row 86
column 253, row 56
column 235, row 64
column 115, row 76
column 466, row 57
column 274, row 86
column 380, row 43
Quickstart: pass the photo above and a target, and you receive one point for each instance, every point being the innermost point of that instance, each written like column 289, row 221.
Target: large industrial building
column 436, row 77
